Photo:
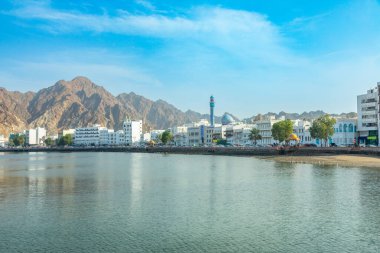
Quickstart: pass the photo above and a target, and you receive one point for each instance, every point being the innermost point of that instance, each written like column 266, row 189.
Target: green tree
column 49, row 142
column 282, row 130
column 255, row 135
column 221, row 142
column 323, row 128
column 166, row 137
column 65, row 140
column 17, row 140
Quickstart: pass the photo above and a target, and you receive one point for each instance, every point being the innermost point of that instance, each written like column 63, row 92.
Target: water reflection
column 145, row 202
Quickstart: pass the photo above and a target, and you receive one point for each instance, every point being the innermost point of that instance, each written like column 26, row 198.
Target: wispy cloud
column 227, row 29
column 311, row 62
column 146, row 4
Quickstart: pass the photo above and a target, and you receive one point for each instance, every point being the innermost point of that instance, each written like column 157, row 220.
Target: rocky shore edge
column 235, row 151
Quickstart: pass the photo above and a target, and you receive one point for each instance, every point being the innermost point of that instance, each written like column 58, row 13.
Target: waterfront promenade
column 235, row 151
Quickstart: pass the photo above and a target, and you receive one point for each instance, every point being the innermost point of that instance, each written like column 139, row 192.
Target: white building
column 35, row 136
column 87, row 136
column 116, row 138
column 2, row 141
column 199, row 133
column 31, row 137
column 219, row 132
column 133, row 131
column 194, row 135
column 265, row 128
column 103, row 136
column 146, row 137
column 345, row 132
column 368, row 117
column 180, row 136
column 155, row 135
column 302, row 129
column 239, row 134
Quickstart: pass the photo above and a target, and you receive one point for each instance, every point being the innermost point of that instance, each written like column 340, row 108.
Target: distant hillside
column 305, row 115
column 80, row 102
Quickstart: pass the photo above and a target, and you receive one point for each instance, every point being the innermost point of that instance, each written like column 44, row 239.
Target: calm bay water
column 121, row 202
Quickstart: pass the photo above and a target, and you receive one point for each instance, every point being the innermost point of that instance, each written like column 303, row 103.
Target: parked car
column 310, row 145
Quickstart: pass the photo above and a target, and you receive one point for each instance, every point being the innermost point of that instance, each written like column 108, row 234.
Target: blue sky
column 253, row 56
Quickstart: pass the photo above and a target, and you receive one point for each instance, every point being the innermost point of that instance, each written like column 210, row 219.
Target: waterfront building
column 103, row 136
column 2, row 141
column 302, row 129
column 197, row 133
column 179, row 135
column 89, row 135
column 35, row 136
column 155, row 135
column 31, row 137
column 115, row 138
column 368, row 117
column 239, row 134
column 218, row 132
column 146, row 137
column 265, row 128
column 345, row 132
column 133, row 131
column 194, row 136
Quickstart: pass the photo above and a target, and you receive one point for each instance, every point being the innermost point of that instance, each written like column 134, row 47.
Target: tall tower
column 212, row 105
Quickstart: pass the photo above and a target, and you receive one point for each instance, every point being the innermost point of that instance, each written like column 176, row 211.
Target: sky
column 254, row 56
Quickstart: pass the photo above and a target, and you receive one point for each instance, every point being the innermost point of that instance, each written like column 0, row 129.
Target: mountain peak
column 81, row 79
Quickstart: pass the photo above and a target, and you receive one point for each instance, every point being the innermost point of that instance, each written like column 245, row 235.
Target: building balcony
column 371, row 112
column 369, row 120
column 371, row 104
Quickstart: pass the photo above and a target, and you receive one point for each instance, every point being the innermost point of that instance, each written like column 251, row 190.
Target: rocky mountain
column 80, row 102
column 13, row 110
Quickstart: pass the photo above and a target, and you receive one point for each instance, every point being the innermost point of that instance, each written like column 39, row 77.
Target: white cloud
column 248, row 62
column 241, row 33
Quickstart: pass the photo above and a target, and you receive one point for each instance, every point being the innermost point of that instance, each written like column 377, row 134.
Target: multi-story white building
column 2, row 141
column 87, row 136
column 31, row 137
column 116, row 138
column 239, row 134
column 368, row 117
column 35, row 136
column 180, row 137
column 219, row 132
column 302, row 129
column 265, row 128
column 133, row 131
column 345, row 132
column 199, row 133
column 103, row 136
column 194, row 135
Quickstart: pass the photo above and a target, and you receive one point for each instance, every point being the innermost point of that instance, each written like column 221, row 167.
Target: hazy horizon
column 254, row 57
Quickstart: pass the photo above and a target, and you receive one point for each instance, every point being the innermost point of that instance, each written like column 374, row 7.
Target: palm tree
column 255, row 135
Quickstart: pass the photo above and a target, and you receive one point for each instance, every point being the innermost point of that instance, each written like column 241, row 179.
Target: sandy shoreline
column 339, row 160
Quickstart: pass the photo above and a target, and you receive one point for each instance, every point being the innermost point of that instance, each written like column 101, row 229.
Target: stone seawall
column 234, row 151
